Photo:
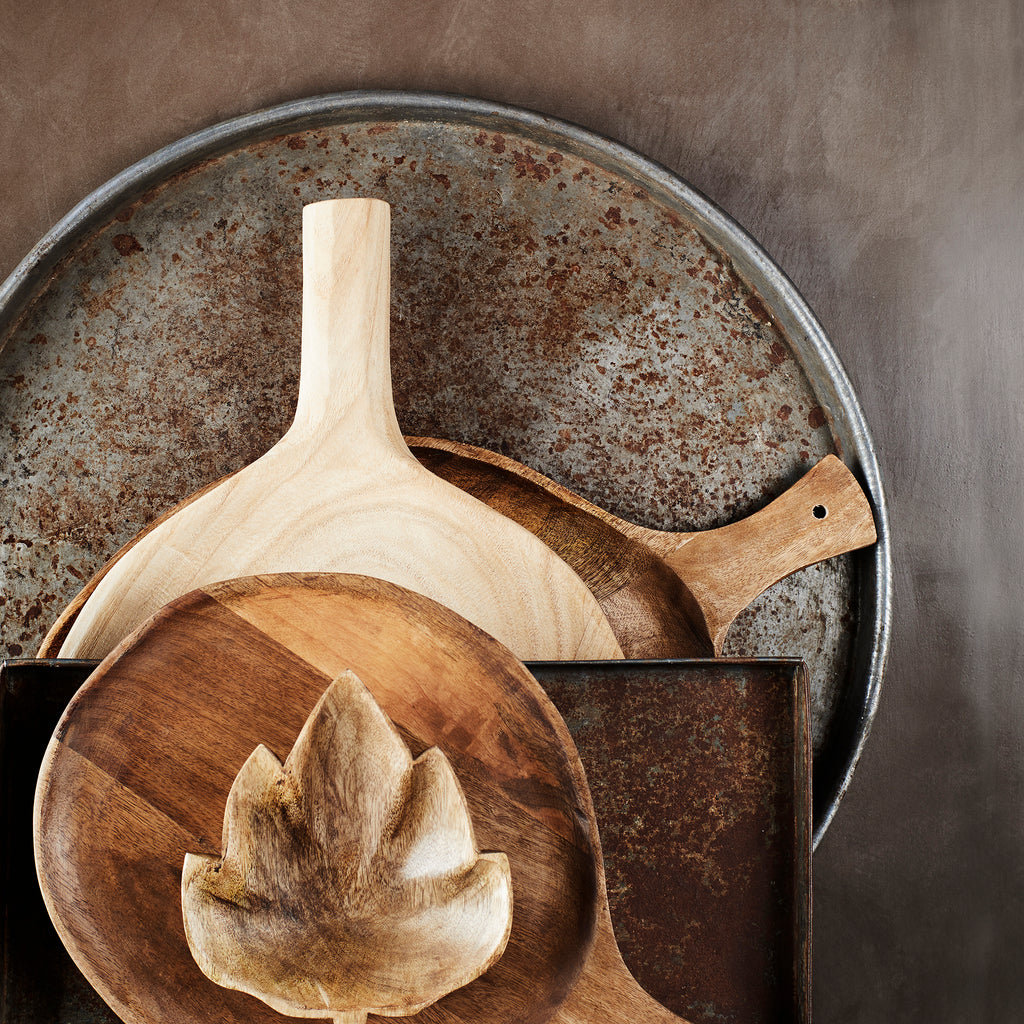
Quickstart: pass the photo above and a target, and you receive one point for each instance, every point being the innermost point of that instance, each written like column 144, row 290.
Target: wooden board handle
column 346, row 359
column 607, row 992
column 824, row 514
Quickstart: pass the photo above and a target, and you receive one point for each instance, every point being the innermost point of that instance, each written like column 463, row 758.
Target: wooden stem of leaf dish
column 607, row 992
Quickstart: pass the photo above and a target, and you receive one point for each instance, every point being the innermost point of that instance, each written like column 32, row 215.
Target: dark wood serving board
column 138, row 771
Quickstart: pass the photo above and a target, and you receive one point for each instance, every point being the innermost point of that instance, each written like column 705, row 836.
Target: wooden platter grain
column 137, row 774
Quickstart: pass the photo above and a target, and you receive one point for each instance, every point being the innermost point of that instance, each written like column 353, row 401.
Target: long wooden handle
column 824, row 514
column 346, row 360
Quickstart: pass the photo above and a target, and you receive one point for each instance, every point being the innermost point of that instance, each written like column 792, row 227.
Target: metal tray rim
column 805, row 333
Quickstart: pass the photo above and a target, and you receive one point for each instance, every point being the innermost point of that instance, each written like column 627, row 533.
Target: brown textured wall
column 876, row 149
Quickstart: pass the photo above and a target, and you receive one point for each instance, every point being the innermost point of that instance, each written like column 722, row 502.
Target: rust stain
column 126, row 244
column 528, row 166
column 757, row 307
column 33, row 612
column 695, row 775
column 612, row 217
column 301, row 174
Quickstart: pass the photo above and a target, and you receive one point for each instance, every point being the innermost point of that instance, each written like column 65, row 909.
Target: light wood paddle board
column 341, row 491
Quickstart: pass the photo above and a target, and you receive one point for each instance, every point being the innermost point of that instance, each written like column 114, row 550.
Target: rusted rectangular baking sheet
column 700, row 778
column 700, row 775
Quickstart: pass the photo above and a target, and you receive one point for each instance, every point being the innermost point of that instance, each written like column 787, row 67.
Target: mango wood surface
column 341, row 491
column 139, row 770
column 665, row 594
column 349, row 880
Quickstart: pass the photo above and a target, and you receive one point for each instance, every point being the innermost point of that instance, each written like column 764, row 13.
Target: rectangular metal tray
column 700, row 775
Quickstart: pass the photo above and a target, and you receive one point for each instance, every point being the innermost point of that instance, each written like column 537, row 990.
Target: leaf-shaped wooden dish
column 350, row 882
column 139, row 770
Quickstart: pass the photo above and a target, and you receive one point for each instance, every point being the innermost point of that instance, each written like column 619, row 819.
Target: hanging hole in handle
column 819, row 511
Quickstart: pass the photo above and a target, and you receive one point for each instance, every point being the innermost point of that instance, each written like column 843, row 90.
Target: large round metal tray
column 556, row 297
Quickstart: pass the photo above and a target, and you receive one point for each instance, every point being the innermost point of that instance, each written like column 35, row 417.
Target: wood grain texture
column 665, row 594
column 341, row 492
column 668, row 594
column 349, row 880
column 140, row 767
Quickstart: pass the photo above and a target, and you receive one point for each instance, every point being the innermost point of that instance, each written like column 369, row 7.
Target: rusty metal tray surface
column 556, row 297
column 700, row 778
column 700, row 774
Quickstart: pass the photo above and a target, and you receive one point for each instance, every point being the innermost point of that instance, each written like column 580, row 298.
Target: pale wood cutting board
column 665, row 594
column 341, row 491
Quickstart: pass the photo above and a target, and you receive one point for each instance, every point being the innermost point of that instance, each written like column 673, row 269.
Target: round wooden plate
column 139, row 768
